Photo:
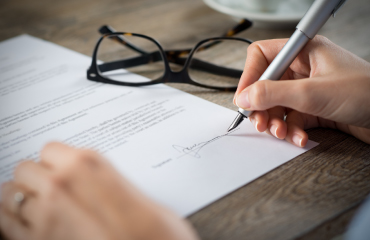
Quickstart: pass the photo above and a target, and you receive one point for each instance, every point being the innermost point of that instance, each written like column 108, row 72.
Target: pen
column 316, row 16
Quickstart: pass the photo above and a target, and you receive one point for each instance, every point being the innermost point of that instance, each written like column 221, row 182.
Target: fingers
column 57, row 155
column 11, row 227
column 296, row 123
column 88, row 178
column 292, row 129
column 260, row 55
column 91, row 181
column 32, row 175
column 263, row 97
column 77, row 169
column 37, row 183
column 25, row 211
column 270, row 121
column 259, row 120
column 307, row 64
column 61, row 157
column 8, row 202
column 12, row 222
column 276, row 124
column 304, row 95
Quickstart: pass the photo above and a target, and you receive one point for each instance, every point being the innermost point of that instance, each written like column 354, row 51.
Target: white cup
column 276, row 5
column 262, row 5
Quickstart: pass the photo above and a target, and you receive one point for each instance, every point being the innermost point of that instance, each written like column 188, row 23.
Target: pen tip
column 236, row 122
column 230, row 128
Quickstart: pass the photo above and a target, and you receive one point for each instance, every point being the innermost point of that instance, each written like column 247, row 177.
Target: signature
column 194, row 149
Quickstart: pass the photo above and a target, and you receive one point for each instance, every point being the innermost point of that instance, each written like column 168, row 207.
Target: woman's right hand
column 325, row 86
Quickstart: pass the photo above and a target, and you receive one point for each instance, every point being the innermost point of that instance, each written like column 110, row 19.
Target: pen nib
column 236, row 122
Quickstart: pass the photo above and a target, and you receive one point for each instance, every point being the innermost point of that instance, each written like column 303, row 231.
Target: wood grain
column 301, row 199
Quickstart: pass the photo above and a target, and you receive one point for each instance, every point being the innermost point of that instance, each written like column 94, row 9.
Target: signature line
column 195, row 148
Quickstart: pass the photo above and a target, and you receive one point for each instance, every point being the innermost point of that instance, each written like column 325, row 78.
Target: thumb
column 265, row 94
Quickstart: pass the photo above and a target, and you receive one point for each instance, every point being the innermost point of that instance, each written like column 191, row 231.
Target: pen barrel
column 283, row 60
column 317, row 15
column 286, row 56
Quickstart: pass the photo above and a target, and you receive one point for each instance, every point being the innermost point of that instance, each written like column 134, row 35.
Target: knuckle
column 88, row 157
column 48, row 149
column 305, row 102
column 320, row 38
column 85, row 157
column 76, row 161
column 50, row 145
column 258, row 95
column 79, row 159
column 303, row 88
column 258, row 44
column 319, row 43
column 21, row 166
column 52, row 187
column 253, row 47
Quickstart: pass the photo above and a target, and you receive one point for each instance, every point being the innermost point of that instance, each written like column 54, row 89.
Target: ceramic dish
column 286, row 17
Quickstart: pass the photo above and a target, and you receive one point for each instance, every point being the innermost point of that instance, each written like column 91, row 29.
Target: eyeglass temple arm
column 242, row 25
column 214, row 69
column 105, row 29
column 120, row 39
column 156, row 56
column 127, row 63
column 171, row 55
column 137, row 61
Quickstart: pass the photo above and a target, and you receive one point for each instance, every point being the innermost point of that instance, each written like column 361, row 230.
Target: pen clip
column 340, row 4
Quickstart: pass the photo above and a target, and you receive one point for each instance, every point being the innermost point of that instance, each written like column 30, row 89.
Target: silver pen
column 316, row 16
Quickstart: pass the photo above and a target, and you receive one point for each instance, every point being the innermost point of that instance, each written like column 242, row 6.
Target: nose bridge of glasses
column 177, row 57
column 178, row 77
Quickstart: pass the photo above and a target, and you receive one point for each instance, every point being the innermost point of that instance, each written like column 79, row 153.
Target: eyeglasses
column 139, row 60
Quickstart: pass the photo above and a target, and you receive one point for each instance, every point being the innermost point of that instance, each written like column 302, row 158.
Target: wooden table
column 311, row 197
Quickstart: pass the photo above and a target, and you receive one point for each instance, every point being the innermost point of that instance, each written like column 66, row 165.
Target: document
column 172, row 145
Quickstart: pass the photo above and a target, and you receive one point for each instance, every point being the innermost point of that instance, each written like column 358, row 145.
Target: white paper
column 170, row 144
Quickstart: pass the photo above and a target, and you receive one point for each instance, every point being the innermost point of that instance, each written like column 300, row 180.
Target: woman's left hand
column 76, row 194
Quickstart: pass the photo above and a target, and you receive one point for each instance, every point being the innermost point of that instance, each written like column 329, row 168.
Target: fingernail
column 242, row 100
column 234, row 100
column 255, row 124
column 273, row 130
column 297, row 140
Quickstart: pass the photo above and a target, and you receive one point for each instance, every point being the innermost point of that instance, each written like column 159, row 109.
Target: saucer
column 287, row 16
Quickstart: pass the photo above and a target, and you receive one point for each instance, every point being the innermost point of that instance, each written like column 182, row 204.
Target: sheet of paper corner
column 159, row 158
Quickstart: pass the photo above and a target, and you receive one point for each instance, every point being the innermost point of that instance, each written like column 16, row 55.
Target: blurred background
column 175, row 23
column 268, row 212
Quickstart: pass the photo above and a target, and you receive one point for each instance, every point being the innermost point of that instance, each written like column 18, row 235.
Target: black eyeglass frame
column 169, row 76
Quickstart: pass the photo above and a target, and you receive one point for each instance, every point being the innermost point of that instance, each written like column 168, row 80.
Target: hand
column 76, row 194
column 325, row 86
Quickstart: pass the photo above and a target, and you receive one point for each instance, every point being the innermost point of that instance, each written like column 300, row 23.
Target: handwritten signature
column 194, row 149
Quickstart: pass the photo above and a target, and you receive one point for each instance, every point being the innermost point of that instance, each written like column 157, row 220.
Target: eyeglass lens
column 215, row 63
column 118, row 62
